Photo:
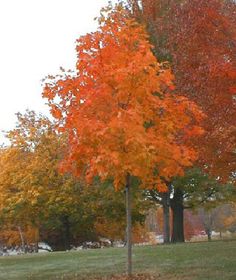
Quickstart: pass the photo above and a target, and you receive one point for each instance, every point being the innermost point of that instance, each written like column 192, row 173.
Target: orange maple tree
column 118, row 109
column 119, row 113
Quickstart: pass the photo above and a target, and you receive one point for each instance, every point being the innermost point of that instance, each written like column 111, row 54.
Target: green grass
column 214, row 260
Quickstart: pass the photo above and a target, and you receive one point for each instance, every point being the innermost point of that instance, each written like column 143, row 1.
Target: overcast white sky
column 36, row 38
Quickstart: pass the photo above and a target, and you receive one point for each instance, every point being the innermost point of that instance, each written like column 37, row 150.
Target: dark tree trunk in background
column 166, row 216
column 209, row 233
column 66, row 235
column 177, row 208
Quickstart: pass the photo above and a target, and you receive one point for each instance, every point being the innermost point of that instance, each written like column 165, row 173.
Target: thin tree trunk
column 178, row 216
column 129, row 226
column 22, row 238
column 166, row 217
column 36, row 249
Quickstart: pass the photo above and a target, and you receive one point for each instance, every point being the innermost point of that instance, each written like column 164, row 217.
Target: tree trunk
column 36, row 247
column 166, row 217
column 66, row 234
column 22, row 239
column 129, row 226
column 178, row 216
column 208, row 234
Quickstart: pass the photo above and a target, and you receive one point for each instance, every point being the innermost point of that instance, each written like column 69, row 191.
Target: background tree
column 39, row 203
column 194, row 189
column 198, row 39
column 29, row 171
column 220, row 218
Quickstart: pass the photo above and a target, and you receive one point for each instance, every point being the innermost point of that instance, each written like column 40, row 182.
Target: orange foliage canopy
column 117, row 109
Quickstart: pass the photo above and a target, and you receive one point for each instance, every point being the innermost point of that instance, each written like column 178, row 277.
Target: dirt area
column 124, row 277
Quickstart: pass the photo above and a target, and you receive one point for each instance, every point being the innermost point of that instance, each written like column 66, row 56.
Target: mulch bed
column 123, row 277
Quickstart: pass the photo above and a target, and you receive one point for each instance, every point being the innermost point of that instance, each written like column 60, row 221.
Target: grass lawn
column 213, row 260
